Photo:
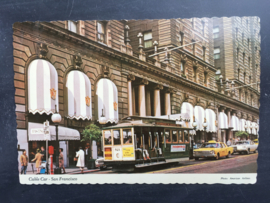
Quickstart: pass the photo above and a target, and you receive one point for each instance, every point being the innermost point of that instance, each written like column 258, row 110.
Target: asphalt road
column 235, row 164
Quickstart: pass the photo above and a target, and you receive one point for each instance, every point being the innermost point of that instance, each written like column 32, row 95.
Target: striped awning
column 242, row 124
column 211, row 120
column 199, row 117
column 235, row 123
column 254, row 130
column 42, row 87
column 35, row 132
column 79, row 95
column 249, row 127
column 187, row 108
column 107, row 99
column 222, row 121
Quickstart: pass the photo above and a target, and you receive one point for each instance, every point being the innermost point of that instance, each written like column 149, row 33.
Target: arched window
column 78, row 95
column 42, row 87
column 107, row 100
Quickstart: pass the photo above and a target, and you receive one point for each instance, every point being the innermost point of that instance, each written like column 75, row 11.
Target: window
column 243, row 36
column 127, row 138
column 116, row 137
column 107, row 137
column 216, row 32
column 193, row 47
column 186, row 136
column 203, row 27
column 244, row 77
column 205, row 79
column 194, row 74
column 174, row 136
column 182, row 68
column 217, row 53
column 248, row 42
column 250, row 79
column 101, row 32
column 203, row 52
column 181, row 38
column 147, row 38
column 72, row 26
column 249, row 62
column 244, row 58
column 180, row 136
column 247, row 22
column 238, row 74
column 237, row 54
column 168, row 136
column 246, row 95
column 193, row 22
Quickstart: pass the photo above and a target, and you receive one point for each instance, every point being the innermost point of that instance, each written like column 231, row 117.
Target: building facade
column 89, row 70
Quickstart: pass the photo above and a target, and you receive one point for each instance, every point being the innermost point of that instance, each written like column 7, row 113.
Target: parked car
column 100, row 163
column 246, row 147
column 256, row 141
column 213, row 149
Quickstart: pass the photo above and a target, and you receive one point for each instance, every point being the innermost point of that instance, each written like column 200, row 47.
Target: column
column 142, row 109
column 157, row 108
column 229, row 124
column 130, row 95
column 168, row 102
column 133, row 103
column 148, row 103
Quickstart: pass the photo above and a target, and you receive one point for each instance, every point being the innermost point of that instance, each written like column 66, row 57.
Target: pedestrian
column 229, row 143
column 61, row 160
column 80, row 161
column 38, row 158
column 87, row 154
column 24, row 162
column 43, row 153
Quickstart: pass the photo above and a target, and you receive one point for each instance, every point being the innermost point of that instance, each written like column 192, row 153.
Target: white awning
column 42, row 87
column 235, row 124
column 222, row 121
column 79, row 96
column 63, row 132
column 211, row 120
column 107, row 99
column 249, row 127
column 242, row 124
column 187, row 108
column 254, row 131
column 199, row 117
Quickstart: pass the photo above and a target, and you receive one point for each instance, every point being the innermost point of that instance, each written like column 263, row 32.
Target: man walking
column 229, row 143
column 24, row 162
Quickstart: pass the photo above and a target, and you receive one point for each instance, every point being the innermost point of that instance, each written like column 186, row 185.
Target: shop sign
column 117, row 155
column 128, row 152
column 36, row 131
column 178, row 148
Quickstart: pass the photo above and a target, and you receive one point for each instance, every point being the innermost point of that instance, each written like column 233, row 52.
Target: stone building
column 96, row 69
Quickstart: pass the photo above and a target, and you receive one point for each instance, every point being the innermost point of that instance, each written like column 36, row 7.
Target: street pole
column 47, row 156
column 57, row 146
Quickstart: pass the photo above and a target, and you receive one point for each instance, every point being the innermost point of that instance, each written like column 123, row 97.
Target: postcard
column 138, row 101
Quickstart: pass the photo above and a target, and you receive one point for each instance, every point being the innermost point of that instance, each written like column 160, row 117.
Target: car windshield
column 242, row 143
column 210, row 145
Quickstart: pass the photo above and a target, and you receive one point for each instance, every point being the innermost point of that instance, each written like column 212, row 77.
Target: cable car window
column 116, row 137
column 186, row 136
column 168, row 136
column 107, row 137
column 127, row 138
column 180, row 136
column 174, row 136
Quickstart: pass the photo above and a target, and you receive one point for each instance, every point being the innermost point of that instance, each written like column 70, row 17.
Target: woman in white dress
column 80, row 162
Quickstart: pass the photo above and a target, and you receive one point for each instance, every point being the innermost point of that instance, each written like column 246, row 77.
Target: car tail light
column 108, row 153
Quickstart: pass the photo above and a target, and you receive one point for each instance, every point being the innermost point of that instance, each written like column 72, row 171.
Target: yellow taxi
column 256, row 141
column 213, row 149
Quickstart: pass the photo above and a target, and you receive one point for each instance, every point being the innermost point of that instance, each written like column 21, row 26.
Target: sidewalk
column 69, row 171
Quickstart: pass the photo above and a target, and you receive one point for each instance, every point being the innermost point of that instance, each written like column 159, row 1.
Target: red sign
column 178, row 148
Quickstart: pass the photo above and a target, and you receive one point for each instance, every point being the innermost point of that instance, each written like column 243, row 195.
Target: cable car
column 143, row 141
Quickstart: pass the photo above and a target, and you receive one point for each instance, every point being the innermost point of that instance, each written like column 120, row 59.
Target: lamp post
column 194, row 125
column 204, row 127
column 56, row 119
column 246, row 127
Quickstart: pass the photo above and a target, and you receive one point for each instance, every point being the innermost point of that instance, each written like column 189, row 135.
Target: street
column 235, row 164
